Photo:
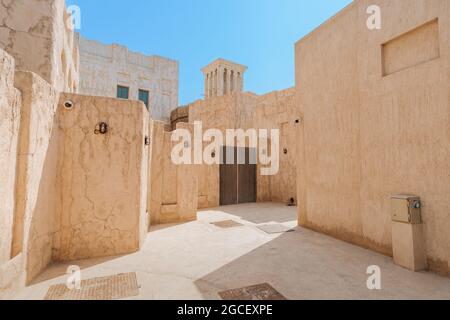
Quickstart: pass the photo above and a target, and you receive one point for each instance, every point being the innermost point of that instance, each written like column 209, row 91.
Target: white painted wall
column 104, row 67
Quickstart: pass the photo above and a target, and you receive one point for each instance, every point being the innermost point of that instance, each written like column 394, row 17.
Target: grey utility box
column 406, row 209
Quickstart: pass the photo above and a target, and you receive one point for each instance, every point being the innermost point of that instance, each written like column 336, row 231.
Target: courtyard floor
column 198, row 260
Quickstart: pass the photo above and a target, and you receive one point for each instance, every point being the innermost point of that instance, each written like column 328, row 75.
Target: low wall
column 102, row 178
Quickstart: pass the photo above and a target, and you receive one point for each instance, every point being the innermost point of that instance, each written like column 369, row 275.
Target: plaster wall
column 215, row 113
column 102, row 178
column 10, row 103
column 173, row 188
column 28, row 224
column 275, row 110
column 375, row 108
column 36, row 34
column 104, row 67
column 36, row 190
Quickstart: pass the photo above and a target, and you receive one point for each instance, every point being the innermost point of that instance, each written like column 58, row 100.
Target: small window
column 123, row 92
column 144, row 96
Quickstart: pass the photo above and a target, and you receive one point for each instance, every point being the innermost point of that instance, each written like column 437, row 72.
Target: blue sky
column 257, row 33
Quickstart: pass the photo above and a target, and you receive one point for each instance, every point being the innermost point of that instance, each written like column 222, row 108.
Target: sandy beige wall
column 102, row 178
column 215, row 113
column 36, row 190
column 370, row 132
column 36, row 35
column 103, row 67
column 10, row 103
column 33, row 220
column 173, row 188
column 276, row 110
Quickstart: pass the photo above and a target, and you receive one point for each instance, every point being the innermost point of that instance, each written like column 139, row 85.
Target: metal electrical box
column 406, row 209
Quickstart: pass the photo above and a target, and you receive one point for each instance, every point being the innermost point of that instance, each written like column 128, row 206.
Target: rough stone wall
column 376, row 123
column 276, row 110
column 102, row 178
column 104, row 67
column 173, row 189
column 35, row 33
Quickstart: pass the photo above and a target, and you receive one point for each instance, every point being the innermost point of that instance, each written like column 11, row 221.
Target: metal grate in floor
column 264, row 292
column 106, row 288
column 227, row 224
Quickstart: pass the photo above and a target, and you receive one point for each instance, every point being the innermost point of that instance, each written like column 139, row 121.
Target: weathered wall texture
column 220, row 113
column 376, row 123
column 104, row 67
column 102, row 178
column 35, row 33
column 275, row 110
column 173, row 189
column 10, row 102
column 35, row 214
column 28, row 223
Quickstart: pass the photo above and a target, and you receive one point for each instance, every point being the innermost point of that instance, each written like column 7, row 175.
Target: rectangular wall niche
column 411, row 48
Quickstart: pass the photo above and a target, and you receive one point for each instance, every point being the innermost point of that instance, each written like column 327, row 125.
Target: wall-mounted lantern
column 101, row 128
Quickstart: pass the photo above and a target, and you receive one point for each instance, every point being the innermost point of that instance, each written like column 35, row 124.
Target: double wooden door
column 238, row 179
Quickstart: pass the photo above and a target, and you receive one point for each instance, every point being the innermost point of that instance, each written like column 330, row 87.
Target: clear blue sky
column 257, row 33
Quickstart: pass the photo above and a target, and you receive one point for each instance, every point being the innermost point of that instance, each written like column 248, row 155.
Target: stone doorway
column 238, row 180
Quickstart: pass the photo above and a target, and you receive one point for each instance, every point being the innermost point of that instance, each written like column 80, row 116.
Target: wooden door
column 238, row 181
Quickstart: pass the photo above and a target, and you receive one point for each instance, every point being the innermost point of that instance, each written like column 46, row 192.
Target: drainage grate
column 227, row 224
column 107, row 288
column 274, row 228
column 258, row 292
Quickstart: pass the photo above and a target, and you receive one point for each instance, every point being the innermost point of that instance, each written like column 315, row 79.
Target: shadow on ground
column 273, row 212
column 307, row 265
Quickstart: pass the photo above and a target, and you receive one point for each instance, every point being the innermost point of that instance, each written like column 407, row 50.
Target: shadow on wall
column 247, row 212
column 308, row 265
